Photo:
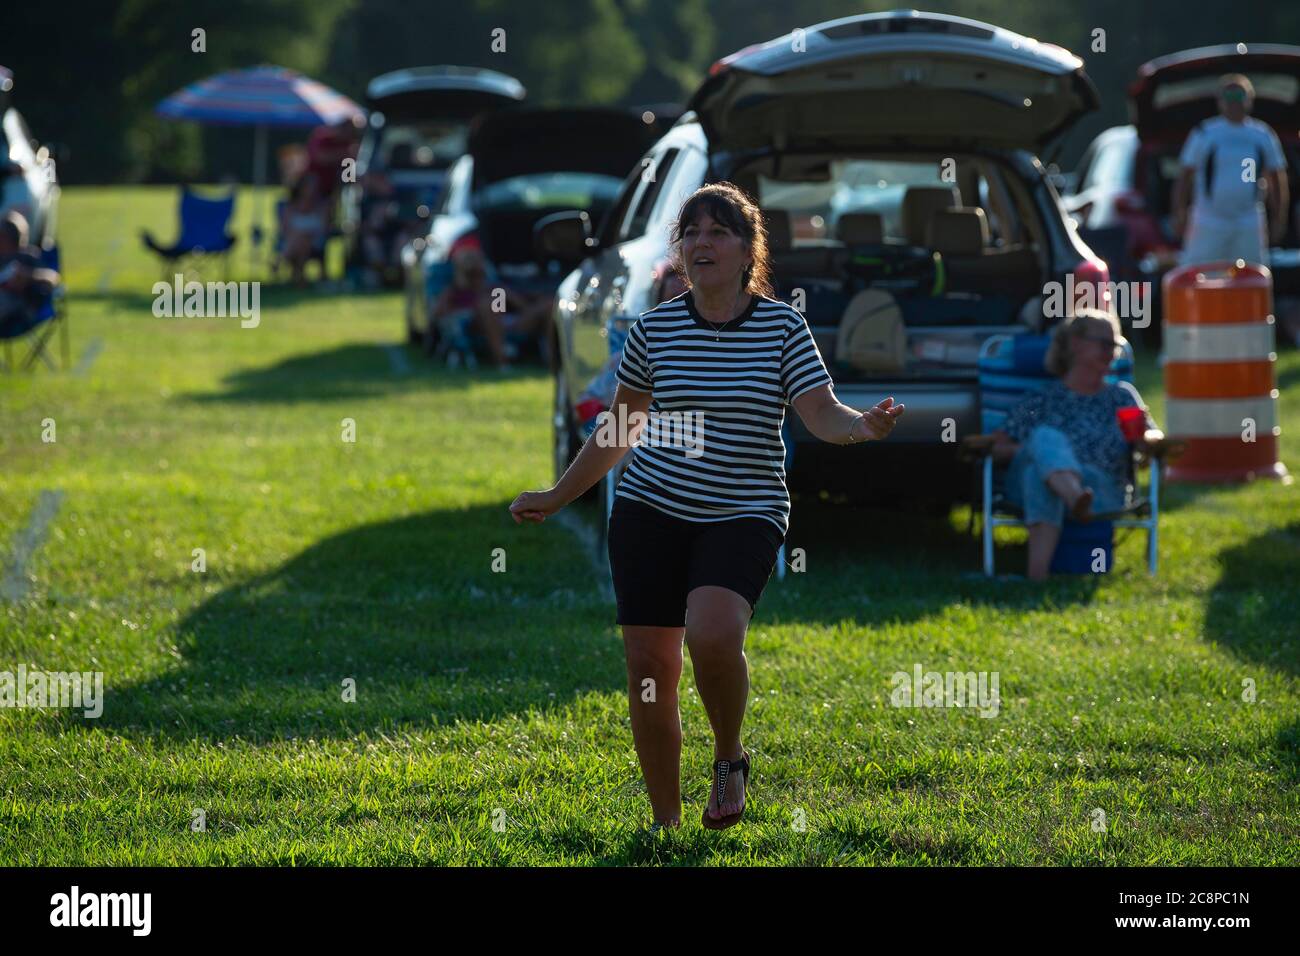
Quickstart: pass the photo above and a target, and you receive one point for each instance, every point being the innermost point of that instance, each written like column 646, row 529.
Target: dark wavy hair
column 730, row 205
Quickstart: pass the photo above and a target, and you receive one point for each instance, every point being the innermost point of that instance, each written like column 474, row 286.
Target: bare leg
column 1042, row 545
column 1069, row 487
column 296, row 249
column 716, row 622
column 655, row 654
column 490, row 324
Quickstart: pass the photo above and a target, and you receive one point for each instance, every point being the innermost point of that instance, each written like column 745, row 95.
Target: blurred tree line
column 87, row 73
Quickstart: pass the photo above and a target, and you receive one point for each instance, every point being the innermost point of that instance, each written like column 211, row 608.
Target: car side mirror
column 563, row 236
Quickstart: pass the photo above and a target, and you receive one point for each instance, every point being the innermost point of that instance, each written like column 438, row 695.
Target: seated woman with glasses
column 1066, row 446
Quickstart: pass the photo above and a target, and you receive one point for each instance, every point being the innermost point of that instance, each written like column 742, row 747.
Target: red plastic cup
column 1132, row 422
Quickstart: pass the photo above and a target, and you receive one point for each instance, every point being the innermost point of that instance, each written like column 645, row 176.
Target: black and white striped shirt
column 712, row 449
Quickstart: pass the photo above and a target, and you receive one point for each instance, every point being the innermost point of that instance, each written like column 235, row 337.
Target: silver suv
column 893, row 152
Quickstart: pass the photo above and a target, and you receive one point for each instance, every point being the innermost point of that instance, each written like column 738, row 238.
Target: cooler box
column 1074, row 552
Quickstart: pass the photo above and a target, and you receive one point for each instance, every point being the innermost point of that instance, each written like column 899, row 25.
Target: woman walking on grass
column 702, row 508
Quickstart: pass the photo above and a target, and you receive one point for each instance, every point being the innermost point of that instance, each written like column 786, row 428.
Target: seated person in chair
column 470, row 295
column 24, row 284
column 1064, row 441
column 304, row 225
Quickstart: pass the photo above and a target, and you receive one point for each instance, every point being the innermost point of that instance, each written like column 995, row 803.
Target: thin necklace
column 718, row 335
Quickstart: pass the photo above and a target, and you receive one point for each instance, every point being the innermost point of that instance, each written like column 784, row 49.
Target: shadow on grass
column 1287, row 751
column 1177, row 495
column 902, row 565
column 408, row 609
column 1253, row 609
column 412, row 612
column 276, row 293
column 349, row 371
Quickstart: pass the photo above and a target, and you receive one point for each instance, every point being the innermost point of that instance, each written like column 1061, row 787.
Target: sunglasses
column 1105, row 340
column 1234, row 95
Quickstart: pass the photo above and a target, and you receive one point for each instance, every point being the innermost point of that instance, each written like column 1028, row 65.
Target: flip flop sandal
column 721, row 771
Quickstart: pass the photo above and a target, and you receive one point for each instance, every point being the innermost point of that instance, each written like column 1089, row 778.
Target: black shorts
column 656, row 560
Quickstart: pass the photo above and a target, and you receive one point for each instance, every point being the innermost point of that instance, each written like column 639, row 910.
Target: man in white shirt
column 1225, row 160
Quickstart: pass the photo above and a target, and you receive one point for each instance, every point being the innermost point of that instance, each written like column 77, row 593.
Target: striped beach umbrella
column 261, row 97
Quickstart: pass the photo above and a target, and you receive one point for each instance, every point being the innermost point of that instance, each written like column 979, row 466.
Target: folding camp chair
column 1009, row 367
column 50, row 318
column 204, row 230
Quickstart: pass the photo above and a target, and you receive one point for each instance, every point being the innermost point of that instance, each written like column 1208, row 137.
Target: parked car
column 417, row 127
column 881, row 122
column 1124, row 182
column 29, row 179
column 521, row 166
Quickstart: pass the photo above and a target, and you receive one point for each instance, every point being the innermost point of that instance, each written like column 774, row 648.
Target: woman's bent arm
column 601, row 452
column 830, row 420
column 598, row 456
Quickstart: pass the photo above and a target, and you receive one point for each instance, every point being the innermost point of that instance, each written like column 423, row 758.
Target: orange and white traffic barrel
column 1220, row 377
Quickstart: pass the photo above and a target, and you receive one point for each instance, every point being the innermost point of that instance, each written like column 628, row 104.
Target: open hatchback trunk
column 529, row 163
column 898, row 78
column 447, row 93
column 1174, row 93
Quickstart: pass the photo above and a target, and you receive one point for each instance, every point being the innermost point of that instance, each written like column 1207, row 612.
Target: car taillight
column 1092, row 285
column 589, row 408
column 469, row 240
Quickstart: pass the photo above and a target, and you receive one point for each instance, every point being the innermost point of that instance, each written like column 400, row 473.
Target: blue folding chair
column 204, row 230
column 50, row 318
column 1009, row 367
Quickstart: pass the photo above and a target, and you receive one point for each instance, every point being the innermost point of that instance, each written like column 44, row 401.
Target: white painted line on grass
column 397, row 359
column 591, row 548
column 92, row 350
column 15, row 583
column 107, row 275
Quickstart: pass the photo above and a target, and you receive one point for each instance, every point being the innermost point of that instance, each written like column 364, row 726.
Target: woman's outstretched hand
column 878, row 421
column 535, row 506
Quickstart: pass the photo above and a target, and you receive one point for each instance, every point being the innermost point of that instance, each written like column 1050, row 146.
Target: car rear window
column 543, row 190
column 855, row 185
column 877, row 186
column 420, row 146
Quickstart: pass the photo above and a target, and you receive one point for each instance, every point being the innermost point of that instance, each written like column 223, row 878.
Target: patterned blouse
column 1087, row 420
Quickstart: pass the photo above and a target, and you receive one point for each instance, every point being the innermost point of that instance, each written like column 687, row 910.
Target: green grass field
column 487, row 697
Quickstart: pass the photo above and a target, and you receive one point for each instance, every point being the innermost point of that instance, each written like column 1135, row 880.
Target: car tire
column 565, row 442
column 564, row 446
column 414, row 336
